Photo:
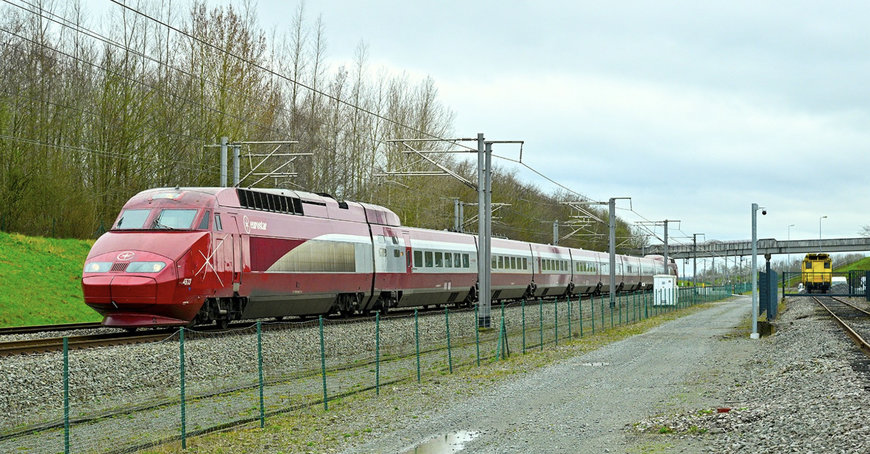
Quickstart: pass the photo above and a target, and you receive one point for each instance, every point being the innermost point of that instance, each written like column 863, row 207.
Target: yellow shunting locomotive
column 816, row 272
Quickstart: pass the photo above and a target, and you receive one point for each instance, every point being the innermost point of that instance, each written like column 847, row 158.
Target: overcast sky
column 693, row 109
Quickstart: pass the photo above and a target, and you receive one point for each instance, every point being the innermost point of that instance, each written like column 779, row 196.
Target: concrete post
column 754, row 272
column 224, row 162
column 612, row 207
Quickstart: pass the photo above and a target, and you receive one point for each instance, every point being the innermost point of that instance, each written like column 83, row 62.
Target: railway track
column 48, row 328
column 120, row 338
column 78, row 342
column 854, row 320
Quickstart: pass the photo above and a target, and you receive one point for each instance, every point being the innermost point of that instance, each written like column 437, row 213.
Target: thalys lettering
column 192, row 256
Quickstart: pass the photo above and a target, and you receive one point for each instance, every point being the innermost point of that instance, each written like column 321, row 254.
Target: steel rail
column 48, row 328
column 52, row 344
column 851, row 305
column 862, row 344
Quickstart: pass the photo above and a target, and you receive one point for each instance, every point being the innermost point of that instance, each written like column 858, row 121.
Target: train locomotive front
column 155, row 266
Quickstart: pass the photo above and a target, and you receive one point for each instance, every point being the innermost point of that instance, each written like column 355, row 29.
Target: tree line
column 90, row 115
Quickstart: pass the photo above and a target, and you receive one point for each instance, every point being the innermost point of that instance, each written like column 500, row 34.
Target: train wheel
column 222, row 323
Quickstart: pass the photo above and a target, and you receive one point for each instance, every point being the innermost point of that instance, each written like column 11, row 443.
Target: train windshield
column 174, row 219
column 132, row 219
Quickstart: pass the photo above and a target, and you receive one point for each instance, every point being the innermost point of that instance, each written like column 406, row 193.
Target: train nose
column 133, row 290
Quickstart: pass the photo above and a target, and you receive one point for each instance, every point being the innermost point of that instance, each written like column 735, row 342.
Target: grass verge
column 41, row 281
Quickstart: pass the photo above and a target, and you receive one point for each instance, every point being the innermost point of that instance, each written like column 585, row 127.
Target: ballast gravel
column 804, row 389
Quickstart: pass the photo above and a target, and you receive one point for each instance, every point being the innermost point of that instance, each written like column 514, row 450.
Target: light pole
column 789, row 238
column 820, row 227
column 754, row 264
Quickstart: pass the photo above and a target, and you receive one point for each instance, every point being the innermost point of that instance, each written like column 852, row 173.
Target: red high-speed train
column 188, row 256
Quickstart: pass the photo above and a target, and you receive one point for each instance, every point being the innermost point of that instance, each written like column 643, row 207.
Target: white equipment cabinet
column 665, row 290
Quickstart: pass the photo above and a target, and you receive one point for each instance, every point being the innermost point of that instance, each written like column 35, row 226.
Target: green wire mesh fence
column 131, row 397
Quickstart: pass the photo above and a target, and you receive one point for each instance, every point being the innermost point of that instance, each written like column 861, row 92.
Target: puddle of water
column 444, row 444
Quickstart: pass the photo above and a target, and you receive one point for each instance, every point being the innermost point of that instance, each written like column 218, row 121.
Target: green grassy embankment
column 863, row 264
column 40, row 282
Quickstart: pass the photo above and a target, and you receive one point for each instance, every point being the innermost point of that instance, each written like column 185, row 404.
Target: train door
column 238, row 237
column 222, row 251
column 408, row 259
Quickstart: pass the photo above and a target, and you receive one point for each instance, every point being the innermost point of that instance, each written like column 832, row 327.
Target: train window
column 132, row 219
column 418, row 259
column 500, row 262
column 174, row 219
column 513, row 263
column 525, row 263
column 494, row 262
column 808, row 265
column 395, row 240
column 203, row 224
column 439, row 260
column 827, row 265
column 217, row 222
column 397, row 253
column 457, row 259
column 465, row 260
column 383, row 252
column 448, row 260
column 429, row 261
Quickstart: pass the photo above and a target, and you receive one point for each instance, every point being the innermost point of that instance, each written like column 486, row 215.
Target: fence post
column 378, row 352
column 477, row 335
column 556, row 320
column 611, row 312
column 541, row 318
column 602, row 311
column 183, row 403
column 592, row 309
column 323, row 367
column 619, row 303
column 449, row 353
column 580, row 312
column 498, row 342
column 645, row 306
column 570, row 332
column 417, row 340
column 260, row 368
column 66, row 395
column 523, row 306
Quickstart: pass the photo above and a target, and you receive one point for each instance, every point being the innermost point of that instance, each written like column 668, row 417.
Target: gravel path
column 584, row 403
column 804, row 390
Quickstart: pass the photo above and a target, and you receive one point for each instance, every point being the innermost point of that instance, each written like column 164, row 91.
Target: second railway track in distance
column 854, row 320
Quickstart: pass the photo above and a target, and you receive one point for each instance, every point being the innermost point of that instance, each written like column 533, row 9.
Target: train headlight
column 145, row 267
column 98, row 267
